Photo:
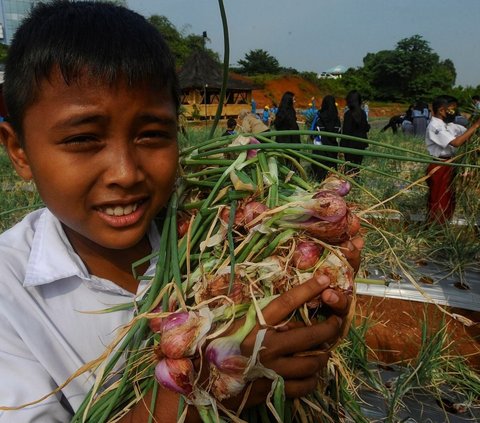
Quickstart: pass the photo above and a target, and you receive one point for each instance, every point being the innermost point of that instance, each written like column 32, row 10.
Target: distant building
column 12, row 12
column 333, row 73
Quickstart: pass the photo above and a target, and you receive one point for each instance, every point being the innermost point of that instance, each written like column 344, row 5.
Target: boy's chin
column 132, row 241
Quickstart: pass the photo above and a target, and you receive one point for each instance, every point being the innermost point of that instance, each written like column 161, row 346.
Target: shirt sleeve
column 25, row 380
column 439, row 135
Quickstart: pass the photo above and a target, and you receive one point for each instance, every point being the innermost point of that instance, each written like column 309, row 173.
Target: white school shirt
column 438, row 138
column 456, row 129
column 46, row 333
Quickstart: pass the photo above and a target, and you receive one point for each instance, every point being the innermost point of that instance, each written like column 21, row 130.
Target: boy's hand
column 284, row 346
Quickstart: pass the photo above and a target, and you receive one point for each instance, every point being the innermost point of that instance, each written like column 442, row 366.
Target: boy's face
column 104, row 159
column 448, row 112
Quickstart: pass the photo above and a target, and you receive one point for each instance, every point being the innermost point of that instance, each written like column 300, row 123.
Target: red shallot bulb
column 252, row 153
column 181, row 333
column 252, row 210
column 175, row 374
column 327, row 205
column 306, row 254
column 227, row 367
column 340, row 186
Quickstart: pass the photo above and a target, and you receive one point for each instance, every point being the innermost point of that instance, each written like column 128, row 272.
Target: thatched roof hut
column 201, row 79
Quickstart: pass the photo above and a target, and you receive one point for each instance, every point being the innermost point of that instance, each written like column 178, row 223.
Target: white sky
column 315, row 35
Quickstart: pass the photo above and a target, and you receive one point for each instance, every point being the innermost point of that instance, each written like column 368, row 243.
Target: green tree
column 182, row 45
column 411, row 71
column 357, row 79
column 259, row 61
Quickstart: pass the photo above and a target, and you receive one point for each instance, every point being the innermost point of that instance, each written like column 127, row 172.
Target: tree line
column 409, row 72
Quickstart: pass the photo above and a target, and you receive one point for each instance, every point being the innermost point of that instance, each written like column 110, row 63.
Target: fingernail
column 322, row 279
column 332, row 297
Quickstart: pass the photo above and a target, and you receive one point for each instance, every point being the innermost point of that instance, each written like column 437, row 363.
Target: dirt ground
column 396, row 329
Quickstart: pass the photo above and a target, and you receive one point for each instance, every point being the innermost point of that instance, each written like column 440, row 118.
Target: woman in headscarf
column 286, row 118
column 327, row 120
column 355, row 124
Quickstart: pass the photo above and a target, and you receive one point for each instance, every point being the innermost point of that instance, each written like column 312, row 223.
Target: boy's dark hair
column 231, row 123
column 476, row 97
column 442, row 101
column 104, row 40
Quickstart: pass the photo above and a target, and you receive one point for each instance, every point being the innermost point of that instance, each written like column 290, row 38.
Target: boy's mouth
column 120, row 210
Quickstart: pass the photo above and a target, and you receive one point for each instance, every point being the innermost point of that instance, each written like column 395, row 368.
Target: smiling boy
column 92, row 101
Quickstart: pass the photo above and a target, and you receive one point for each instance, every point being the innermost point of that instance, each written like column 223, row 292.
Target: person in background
column 273, row 110
column 420, row 118
column 355, row 124
column 286, row 119
column 326, row 120
column 461, row 120
column 266, row 115
column 310, row 113
column 366, row 108
column 398, row 121
column 476, row 103
column 250, row 123
column 442, row 139
column 231, row 125
column 407, row 125
column 394, row 123
column 254, row 106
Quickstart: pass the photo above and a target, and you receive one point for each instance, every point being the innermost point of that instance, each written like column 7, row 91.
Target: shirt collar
column 438, row 121
column 52, row 257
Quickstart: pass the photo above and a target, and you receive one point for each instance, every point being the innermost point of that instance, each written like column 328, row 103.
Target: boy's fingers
column 351, row 250
column 358, row 242
column 307, row 338
column 282, row 306
column 300, row 367
column 300, row 387
column 338, row 301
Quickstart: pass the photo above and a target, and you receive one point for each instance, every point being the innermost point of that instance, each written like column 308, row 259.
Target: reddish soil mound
column 273, row 90
column 395, row 329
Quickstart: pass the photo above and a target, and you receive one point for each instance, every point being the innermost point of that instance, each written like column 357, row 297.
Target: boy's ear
column 15, row 151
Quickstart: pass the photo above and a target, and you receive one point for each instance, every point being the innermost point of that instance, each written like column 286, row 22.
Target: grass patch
column 18, row 197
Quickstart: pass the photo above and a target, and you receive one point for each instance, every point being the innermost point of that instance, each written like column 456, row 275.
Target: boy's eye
column 155, row 137
column 82, row 143
column 80, row 139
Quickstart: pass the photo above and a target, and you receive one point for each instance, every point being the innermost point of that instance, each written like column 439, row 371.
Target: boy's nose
column 123, row 168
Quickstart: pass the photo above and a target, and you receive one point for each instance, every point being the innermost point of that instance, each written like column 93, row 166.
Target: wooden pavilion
column 201, row 80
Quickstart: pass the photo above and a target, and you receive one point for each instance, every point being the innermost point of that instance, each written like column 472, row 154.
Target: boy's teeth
column 121, row 211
